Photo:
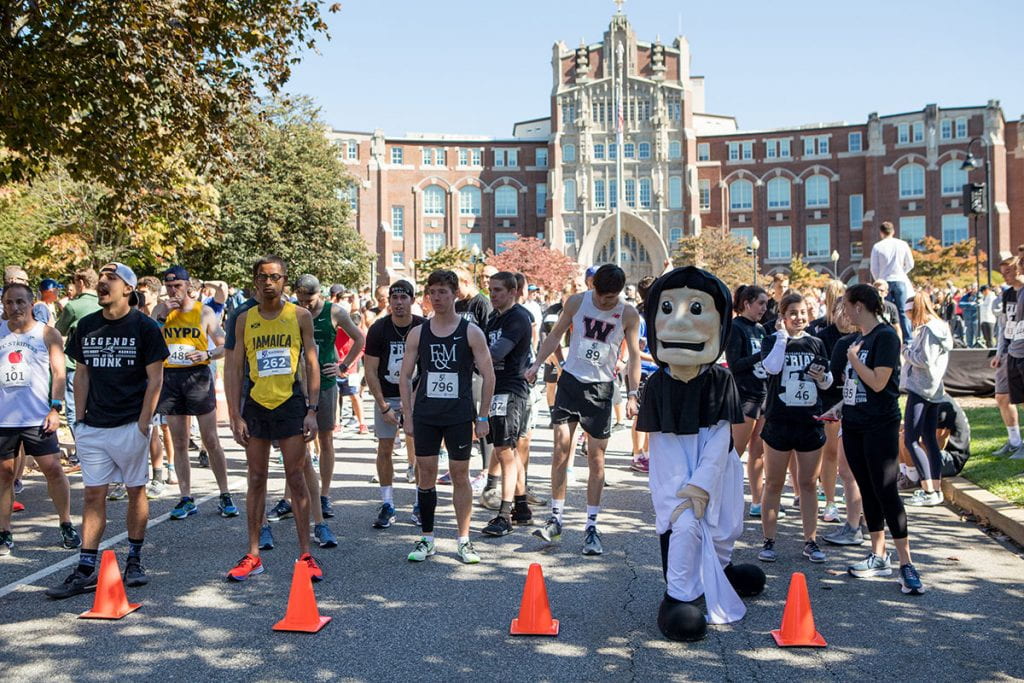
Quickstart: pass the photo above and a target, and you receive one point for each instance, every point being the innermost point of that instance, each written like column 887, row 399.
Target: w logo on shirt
column 597, row 329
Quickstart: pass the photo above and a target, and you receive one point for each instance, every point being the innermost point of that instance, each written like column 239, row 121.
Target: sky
column 477, row 66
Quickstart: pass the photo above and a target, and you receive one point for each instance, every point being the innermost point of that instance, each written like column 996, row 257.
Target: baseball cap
column 127, row 276
column 1005, row 256
column 532, row 288
column 591, row 271
column 337, row 289
column 175, row 273
column 48, row 284
column 308, row 283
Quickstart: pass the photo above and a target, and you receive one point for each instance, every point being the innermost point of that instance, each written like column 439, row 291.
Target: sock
column 463, row 539
column 429, row 538
column 556, row 509
column 135, row 548
column 387, row 494
column 1014, row 434
column 592, row 511
column 903, row 469
column 520, row 501
column 492, row 481
column 427, row 499
column 158, row 472
column 913, row 475
column 87, row 561
column 506, row 509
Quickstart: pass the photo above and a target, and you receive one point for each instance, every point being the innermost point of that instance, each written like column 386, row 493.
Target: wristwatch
column 57, row 404
column 312, row 407
column 342, row 368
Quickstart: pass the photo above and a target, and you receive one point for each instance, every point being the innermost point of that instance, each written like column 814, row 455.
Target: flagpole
column 619, row 195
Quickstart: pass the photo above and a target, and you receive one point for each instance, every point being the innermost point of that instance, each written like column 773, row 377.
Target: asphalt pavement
column 440, row 619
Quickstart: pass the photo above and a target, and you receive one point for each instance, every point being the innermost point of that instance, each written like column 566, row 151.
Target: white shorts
column 113, row 454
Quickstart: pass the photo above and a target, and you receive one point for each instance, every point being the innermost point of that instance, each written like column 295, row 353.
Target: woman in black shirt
column 869, row 371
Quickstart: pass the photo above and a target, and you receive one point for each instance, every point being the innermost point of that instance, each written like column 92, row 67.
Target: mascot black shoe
column 689, row 406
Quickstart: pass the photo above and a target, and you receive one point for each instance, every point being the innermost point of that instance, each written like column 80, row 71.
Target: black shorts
column 508, row 420
column 785, row 435
column 753, row 406
column 458, row 439
column 1015, row 379
column 282, row 422
column 589, row 403
column 550, row 373
column 187, row 391
column 34, row 439
column 345, row 388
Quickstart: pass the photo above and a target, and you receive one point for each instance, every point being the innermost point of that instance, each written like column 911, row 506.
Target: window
column 432, row 241
column 779, row 193
column 468, row 240
column 428, row 156
column 675, row 192
column 734, row 151
column 674, row 236
column 570, row 236
column 817, row 242
column 353, row 197
column 398, row 258
column 946, row 129
column 512, row 157
column 912, row 230
column 568, row 111
column 856, row 211
column 599, row 151
column 569, row 198
column 433, row 201
column 499, row 158
column 816, row 192
column 809, row 147
column 961, row 127
column 630, row 193
column 856, row 250
column 500, row 240
column 903, row 133
column 917, row 131
column 784, row 152
column 675, row 150
column 569, row 153
column 439, row 157
column 822, row 144
column 644, row 150
column 747, row 148
column 741, row 195
column 629, row 151
column 954, row 228
column 477, row 156
column 463, row 156
column 912, row 181
column 613, row 151
column 953, row 179
column 854, row 142
column 469, row 201
column 771, row 149
column 645, row 193
column 541, row 158
column 396, row 155
column 742, row 235
column 704, row 186
column 816, row 145
column 506, row 201
column 675, row 108
column 353, row 150
column 703, row 150
column 398, row 222
column 542, row 199
column 780, row 247
column 598, row 194
column 613, row 194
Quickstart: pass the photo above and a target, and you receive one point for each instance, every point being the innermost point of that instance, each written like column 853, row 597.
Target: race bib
column 270, row 362
column 850, row 391
column 179, row 354
column 394, row 367
column 1009, row 329
column 442, row 385
column 1017, row 330
column 594, row 352
column 499, row 405
column 800, row 393
column 14, row 375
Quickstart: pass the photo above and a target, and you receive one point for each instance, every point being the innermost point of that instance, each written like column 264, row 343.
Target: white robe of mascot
column 689, row 406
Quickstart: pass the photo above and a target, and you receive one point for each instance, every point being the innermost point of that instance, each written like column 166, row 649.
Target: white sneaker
column 478, row 483
column 155, row 489
column 830, row 513
column 410, row 474
column 925, row 499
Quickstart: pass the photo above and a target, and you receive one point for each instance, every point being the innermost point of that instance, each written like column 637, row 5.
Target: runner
column 120, row 354
column 474, row 307
column 385, row 349
column 30, row 354
column 83, row 303
column 188, row 328
column 1007, row 323
column 600, row 319
column 444, row 407
column 274, row 335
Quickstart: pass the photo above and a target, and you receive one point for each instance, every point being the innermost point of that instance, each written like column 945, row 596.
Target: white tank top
column 24, row 377
column 595, row 341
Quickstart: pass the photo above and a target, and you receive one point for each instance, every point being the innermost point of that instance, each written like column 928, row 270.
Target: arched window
column 675, row 149
column 433, row 201
column 569, row 195
column 816, row 192
column 506, row 201
column 568, row 153
column 741, row 195
column 953, row 179
column 469, row 201
column 912, row 181
column 675, row 192
column 779, row 193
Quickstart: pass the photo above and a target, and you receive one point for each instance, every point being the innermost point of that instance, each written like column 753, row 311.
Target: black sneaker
column 203, row 459
column 135, row 573
column 499, row 526
column 69, row 538
column 522, row 516
column 326, row 507
column 6, row 542
column 75, row 584
column 283, row 510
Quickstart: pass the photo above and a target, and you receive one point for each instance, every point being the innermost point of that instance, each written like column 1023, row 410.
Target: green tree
column 802, row 276
column 445, row 258
column 718, row 251
column 541, row 264
column 288, row 196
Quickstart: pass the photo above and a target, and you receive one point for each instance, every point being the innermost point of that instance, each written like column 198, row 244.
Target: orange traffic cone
column 534, row 610
column 302, row 614
column 111, row 601
column 797, row 620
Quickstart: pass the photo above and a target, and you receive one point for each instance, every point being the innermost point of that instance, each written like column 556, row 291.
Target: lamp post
column 835, row 263
column 755, row 244
column 474, row 258
column 972, row 163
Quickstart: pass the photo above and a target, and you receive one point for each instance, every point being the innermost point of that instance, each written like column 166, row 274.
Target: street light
column 755, row 244
column 972, row 163
column 835, row 263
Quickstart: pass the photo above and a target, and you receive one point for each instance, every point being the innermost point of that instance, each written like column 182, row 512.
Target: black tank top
column 445, row 392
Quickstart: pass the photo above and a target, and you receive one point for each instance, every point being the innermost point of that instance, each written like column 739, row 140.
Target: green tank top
column 324, row 334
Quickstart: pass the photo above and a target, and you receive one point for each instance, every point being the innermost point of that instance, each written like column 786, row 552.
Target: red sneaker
column 641, row 463
column 249, row 565
column 363, row 429
column 315, row 573
column 17, row 507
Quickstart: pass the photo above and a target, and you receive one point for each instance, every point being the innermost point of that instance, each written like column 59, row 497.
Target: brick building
column 818, row 190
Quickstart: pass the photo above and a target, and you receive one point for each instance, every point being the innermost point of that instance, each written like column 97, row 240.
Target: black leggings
column 919, row 423
column 872, row 452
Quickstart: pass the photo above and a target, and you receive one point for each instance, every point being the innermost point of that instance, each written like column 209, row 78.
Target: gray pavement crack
column 633, row 641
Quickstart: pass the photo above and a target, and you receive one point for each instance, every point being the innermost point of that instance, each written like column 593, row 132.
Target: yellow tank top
column 272, row 349
column 184, row 333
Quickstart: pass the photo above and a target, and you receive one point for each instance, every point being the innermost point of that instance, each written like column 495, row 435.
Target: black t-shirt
column 862, row 405
column 475, row 309
column 792, row 394
column 771, row 316
column 829, row 336
column 743, row 354
column 509, row 335
column 953, row 418
column 385, row 341
column 891, row 315
column 815, row 327
column 116, row 353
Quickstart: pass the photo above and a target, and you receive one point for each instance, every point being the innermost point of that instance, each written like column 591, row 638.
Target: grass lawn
column 1001, row 476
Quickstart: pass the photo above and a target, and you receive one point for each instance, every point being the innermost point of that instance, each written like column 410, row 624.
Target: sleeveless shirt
column 445, row 392
column 272, row 349
column 184, row 333
column 594, row 342
column 24, row 377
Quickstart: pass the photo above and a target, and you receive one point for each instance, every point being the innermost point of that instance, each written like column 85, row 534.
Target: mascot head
column 688, row 316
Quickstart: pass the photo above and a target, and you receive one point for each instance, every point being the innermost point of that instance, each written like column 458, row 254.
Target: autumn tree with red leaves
column 542, row 265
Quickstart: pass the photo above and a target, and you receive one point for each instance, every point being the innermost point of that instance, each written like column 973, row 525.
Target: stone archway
column 643, row 250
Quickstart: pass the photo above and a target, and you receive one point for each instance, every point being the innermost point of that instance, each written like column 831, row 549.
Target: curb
column 987, row 506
